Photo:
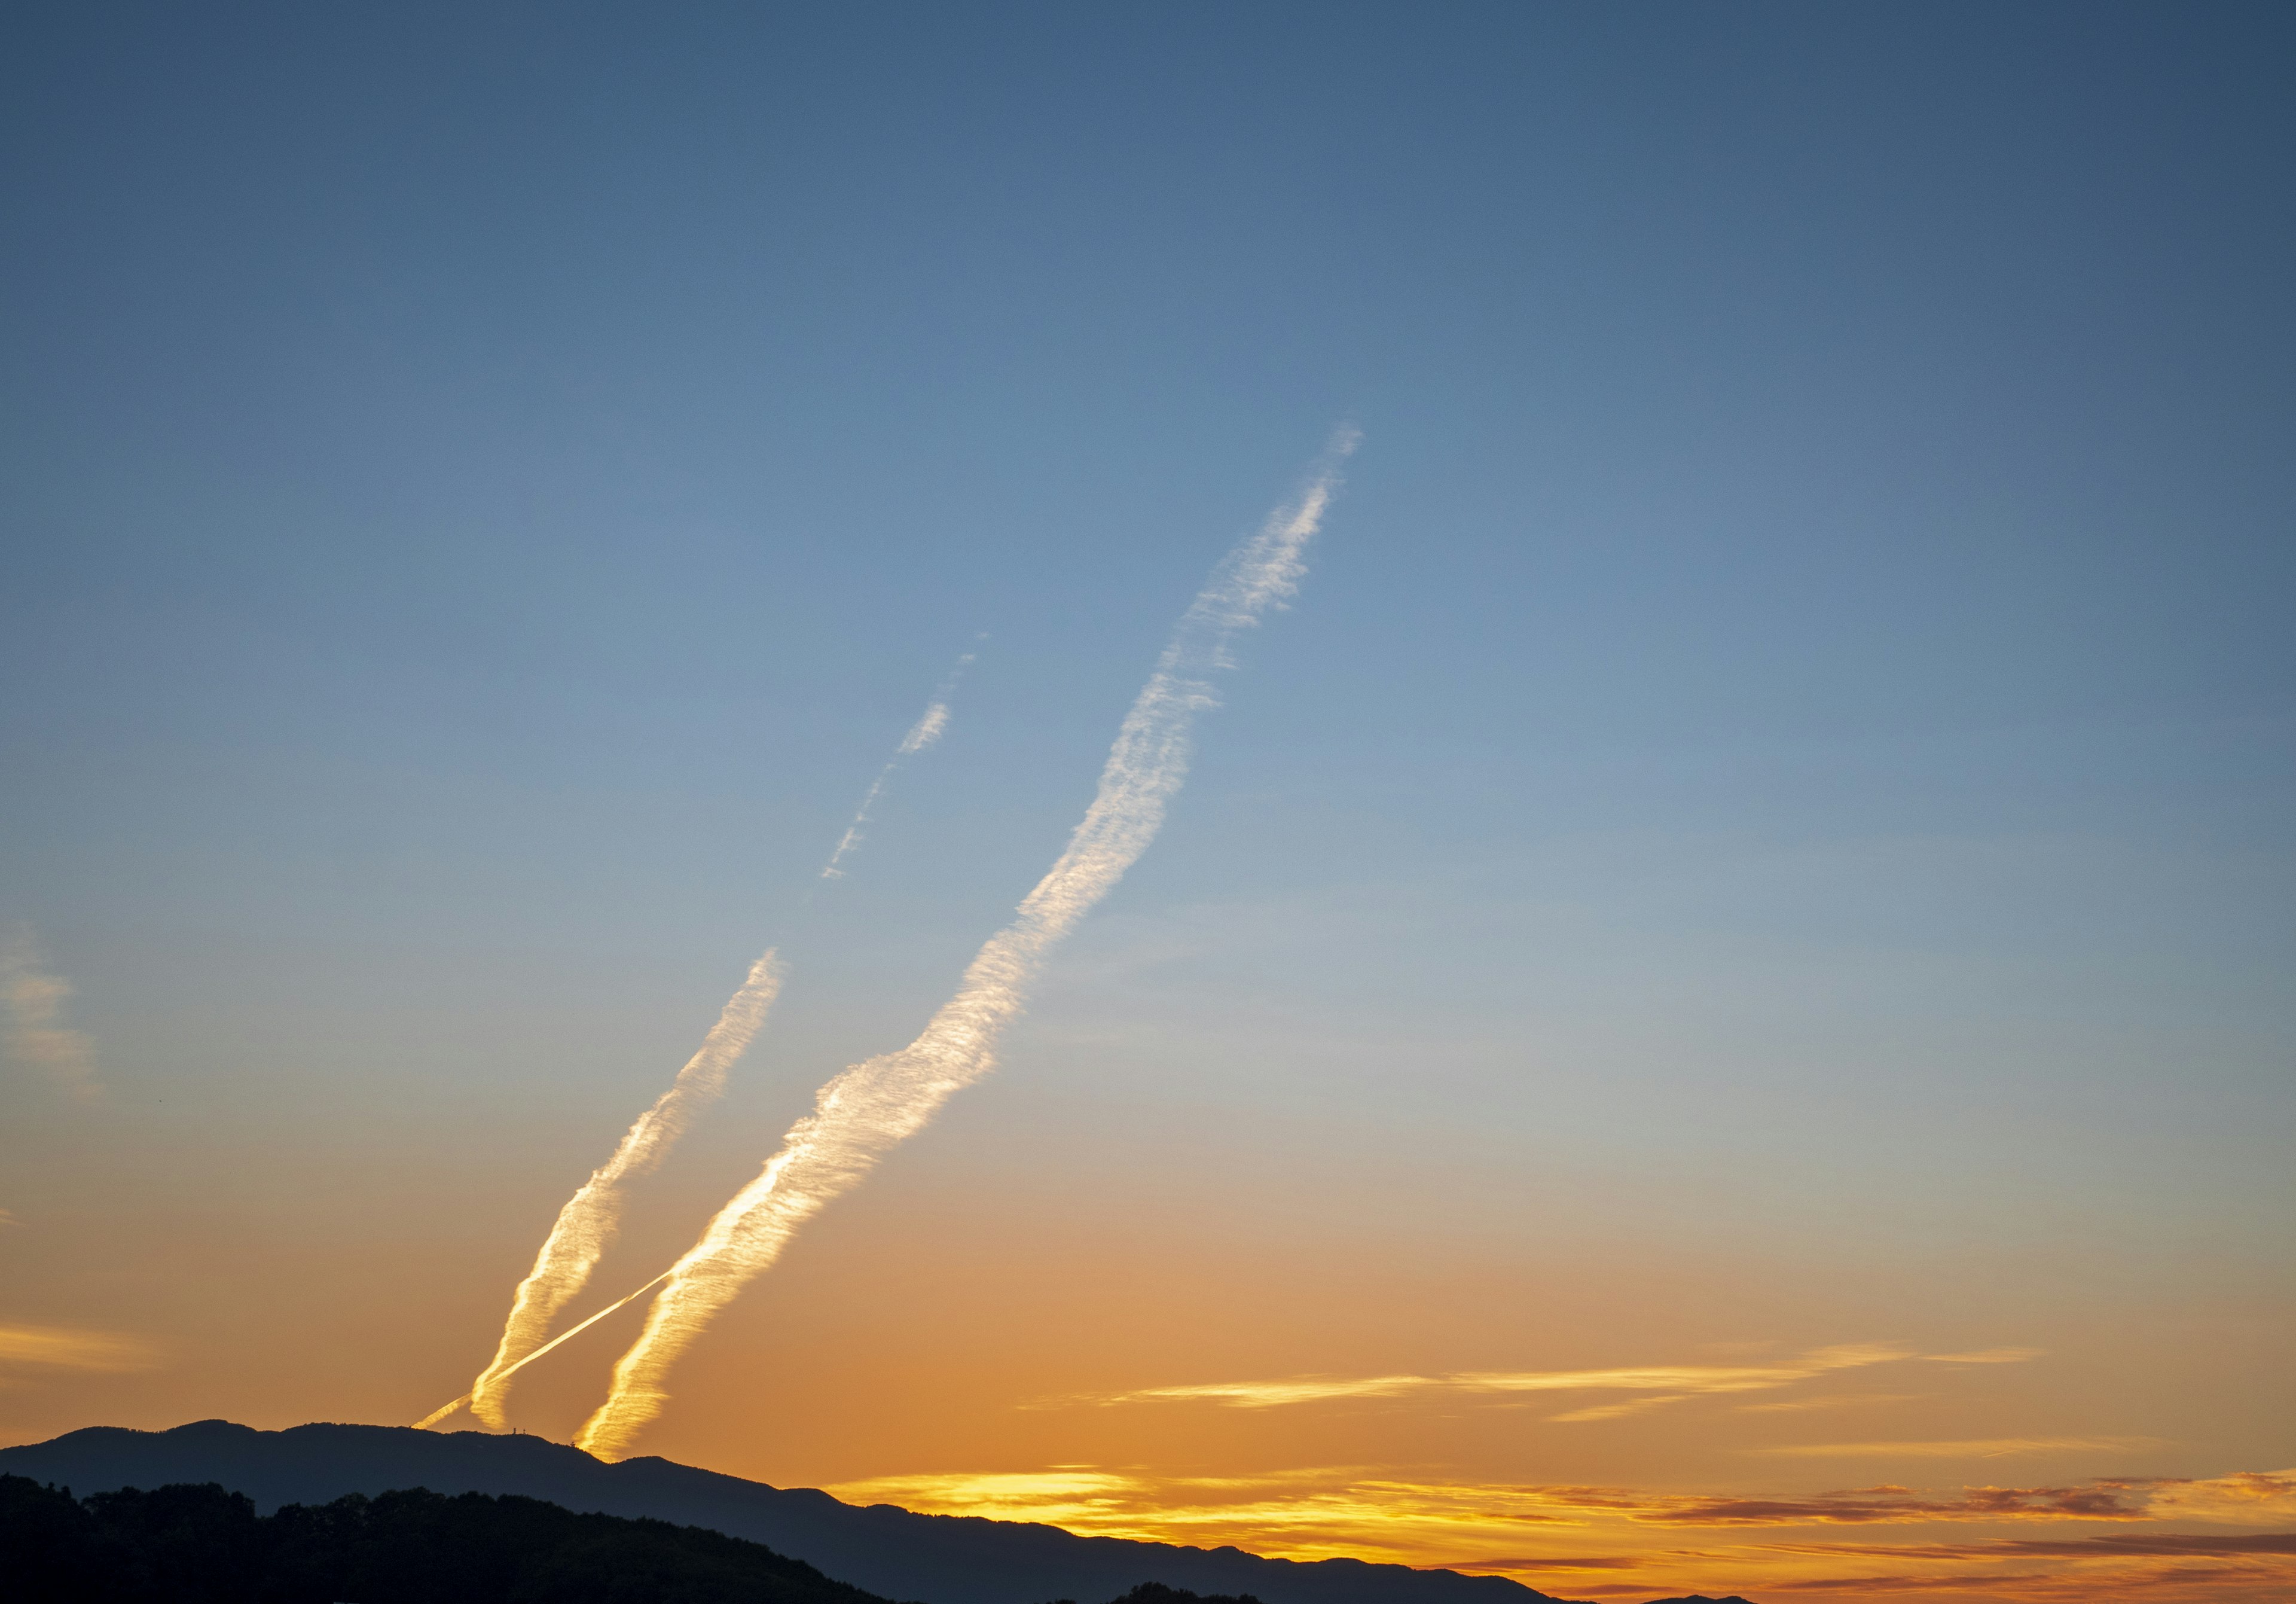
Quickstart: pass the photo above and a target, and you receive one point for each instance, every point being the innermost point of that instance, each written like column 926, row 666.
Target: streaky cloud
column 1968, row 1448
column 2245, row 1498
column 869, row 1107
column 68, row 1348
column 922, row 733
column 1650, row 1541
column 1681, row 1380
column 1352, row 1502
column 1619, row 1411
column 32, row 998
column 585, row 1225
column 2163, row 1545
column 1831, row 1401
column 578, row 1239
column 571, row 1332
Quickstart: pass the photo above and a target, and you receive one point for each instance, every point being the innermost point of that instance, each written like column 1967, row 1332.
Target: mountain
column 941, row 1559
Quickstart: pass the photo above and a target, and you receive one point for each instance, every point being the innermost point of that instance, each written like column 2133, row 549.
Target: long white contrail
column 867, row 1108
column 922, row 733
column 585, row 1226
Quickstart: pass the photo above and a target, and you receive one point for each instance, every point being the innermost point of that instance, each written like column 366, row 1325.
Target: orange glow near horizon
column 2034, row 1543
column 664, row 772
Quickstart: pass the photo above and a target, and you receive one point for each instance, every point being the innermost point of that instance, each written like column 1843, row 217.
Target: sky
column 1713, row 1012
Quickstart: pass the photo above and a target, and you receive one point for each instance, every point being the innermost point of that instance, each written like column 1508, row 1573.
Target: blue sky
column 1792, row 706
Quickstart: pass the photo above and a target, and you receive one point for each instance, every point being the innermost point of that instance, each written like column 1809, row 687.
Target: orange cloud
column 2263, row 1583
column 1836, row 1401
column 1684, row 1380
column 2251, row 1498
column 1113, row 1501
column 1375, row 1513
column 1611, row 1411
column 2175, row 1545
column 1972, row 1448
column 32, row 1013
column 64, row 1348
column 2091, row 1500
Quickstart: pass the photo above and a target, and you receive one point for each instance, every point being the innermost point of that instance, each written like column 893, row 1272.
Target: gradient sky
column 1760, row 858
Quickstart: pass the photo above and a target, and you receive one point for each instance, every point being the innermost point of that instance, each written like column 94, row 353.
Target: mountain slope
column 941, row 1559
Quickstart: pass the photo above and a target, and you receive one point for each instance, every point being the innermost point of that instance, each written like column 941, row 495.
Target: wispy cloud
column 2150, row 1543
column 1831, row 1401
column 923, row 733
column 32, row 999
column 2250, row 1497
column 70, row 1348
column 1629, row 1542
column 1538, row 1563
column 2239, row 1569
column 1613, row 1412
column 928, row 729
column 1975, row 1448
column 1308, row 1513
column 1625, row 1541
column 1677, row 1381
column 588, row 1222
column 869, row 1107
column 1899, row 1506
column 2243, row 1583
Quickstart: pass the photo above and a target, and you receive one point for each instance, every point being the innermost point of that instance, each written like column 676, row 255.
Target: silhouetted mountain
column 203, row 1545
column 1702, row 1598
column 945, row 1559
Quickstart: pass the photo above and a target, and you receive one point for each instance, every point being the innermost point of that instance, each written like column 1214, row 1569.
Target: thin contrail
column 587, row 1223
column 869, row 1107
column 444, row 1410
column 921, row 734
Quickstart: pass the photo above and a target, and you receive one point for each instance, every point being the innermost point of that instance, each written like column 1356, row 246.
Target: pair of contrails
column 869, row 1107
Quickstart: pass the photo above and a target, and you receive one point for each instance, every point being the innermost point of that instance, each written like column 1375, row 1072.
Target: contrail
column 921, row 734
column 867, row 1108
column 587, row 1223
column 444, row 1410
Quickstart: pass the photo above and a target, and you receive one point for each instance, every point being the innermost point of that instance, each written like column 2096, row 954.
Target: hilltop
column 892, row 1552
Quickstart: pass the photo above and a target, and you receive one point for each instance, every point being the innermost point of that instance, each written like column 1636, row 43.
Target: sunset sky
column 1714, row 1012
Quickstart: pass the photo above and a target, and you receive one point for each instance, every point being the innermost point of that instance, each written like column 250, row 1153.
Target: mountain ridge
column 884, row 1549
